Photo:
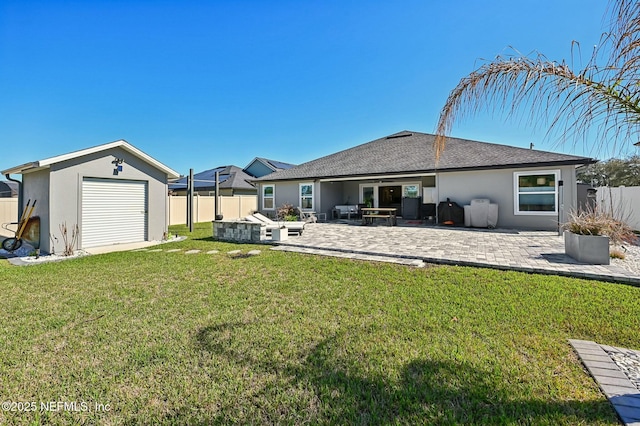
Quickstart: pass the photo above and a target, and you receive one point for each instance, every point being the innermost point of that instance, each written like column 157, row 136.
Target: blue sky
column 207, row 83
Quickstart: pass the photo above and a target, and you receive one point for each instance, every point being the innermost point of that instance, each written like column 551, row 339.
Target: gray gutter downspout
column 20, row 193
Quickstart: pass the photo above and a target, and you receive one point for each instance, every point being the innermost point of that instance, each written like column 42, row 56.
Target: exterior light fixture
column 117, row 165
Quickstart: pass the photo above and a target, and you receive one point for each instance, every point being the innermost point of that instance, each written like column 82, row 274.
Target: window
column 268, row 197
column 367, row 195
column 306, row 196
column 410, row 191
column 536, row 193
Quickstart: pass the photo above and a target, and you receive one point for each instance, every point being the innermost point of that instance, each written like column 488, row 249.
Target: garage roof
column 47, row 162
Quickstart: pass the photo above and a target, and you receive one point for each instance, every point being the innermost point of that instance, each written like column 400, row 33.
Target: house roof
column 276, row 165
column 413, row 153
column 273, row 165
column 8, row 189
column 47, row 162
column 231, row 177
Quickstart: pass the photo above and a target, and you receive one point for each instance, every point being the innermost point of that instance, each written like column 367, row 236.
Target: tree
column 604, row 99
column 613, row 172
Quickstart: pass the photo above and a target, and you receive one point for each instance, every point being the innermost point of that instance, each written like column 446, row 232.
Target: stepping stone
column 173, row 250
column 192, row 251
column 212, row 252
column 141, row 249
column 234, row 252
column 253, row 252
column 154, row 250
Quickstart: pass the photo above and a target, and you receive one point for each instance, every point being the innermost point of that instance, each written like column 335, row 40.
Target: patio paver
column 525, row 251
column 619, row 390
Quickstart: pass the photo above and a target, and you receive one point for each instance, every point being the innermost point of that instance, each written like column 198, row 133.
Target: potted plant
column 280, row 233
column 284, row 213
column 589, row 232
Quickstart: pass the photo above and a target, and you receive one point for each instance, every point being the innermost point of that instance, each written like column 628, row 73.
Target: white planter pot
column 279, row 234
column 592, row 249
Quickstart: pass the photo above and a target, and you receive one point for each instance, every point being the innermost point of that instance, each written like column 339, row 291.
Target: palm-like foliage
column 601, row 97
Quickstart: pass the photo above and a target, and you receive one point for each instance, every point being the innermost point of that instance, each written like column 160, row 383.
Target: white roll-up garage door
column 113, row 212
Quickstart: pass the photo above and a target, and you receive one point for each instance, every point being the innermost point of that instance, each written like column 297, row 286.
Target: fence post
column 197, row 209
column 190, row 201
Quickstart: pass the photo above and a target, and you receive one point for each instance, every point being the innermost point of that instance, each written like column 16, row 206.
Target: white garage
column 114, row 193
column 113, row 212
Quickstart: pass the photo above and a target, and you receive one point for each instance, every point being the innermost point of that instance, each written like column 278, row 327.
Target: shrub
column 617, row 254
column 592, row 221
column 286, row 212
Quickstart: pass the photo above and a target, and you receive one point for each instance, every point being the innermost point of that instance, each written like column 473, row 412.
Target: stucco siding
column 461, row 187
column 332, row 194
column 498, row 186
column 36, row 187
column 351, row 194
column 66, row 187
column 285, row 193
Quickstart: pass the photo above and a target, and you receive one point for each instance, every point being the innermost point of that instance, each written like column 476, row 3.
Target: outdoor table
column 388, row 213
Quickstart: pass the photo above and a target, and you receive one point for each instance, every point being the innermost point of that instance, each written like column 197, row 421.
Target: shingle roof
column 413, row 152
column 272, row 165
column 230, row 177
column 277, row 165
column 8, row 189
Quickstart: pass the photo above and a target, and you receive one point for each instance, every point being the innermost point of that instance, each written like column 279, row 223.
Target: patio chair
column 270, row 221
column 296, row 228
column 307, row 217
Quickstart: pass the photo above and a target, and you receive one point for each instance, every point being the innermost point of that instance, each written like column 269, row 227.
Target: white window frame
column 376, row 186
column 517, row 193
column 273, row 197
column 407, row 185
column 313, row 192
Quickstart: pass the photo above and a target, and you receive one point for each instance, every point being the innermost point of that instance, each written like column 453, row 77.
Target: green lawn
column 289, row 338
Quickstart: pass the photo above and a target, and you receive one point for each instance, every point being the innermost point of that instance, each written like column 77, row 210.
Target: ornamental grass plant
column 595, row 221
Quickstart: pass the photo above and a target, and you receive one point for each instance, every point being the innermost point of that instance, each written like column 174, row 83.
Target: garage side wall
column 36, row 187
column 66, row 188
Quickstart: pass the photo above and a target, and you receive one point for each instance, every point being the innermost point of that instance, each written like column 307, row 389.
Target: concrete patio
column 526, row 251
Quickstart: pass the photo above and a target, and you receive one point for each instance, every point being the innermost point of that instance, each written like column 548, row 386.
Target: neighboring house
column 8, row 189
column 533, row 189
column 233, row 180
column 259, row 167
column 114, row 192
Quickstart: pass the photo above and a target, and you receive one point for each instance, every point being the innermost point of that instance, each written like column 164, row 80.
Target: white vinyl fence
column 235, row 207
column 8, row 213
column 623, row 201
